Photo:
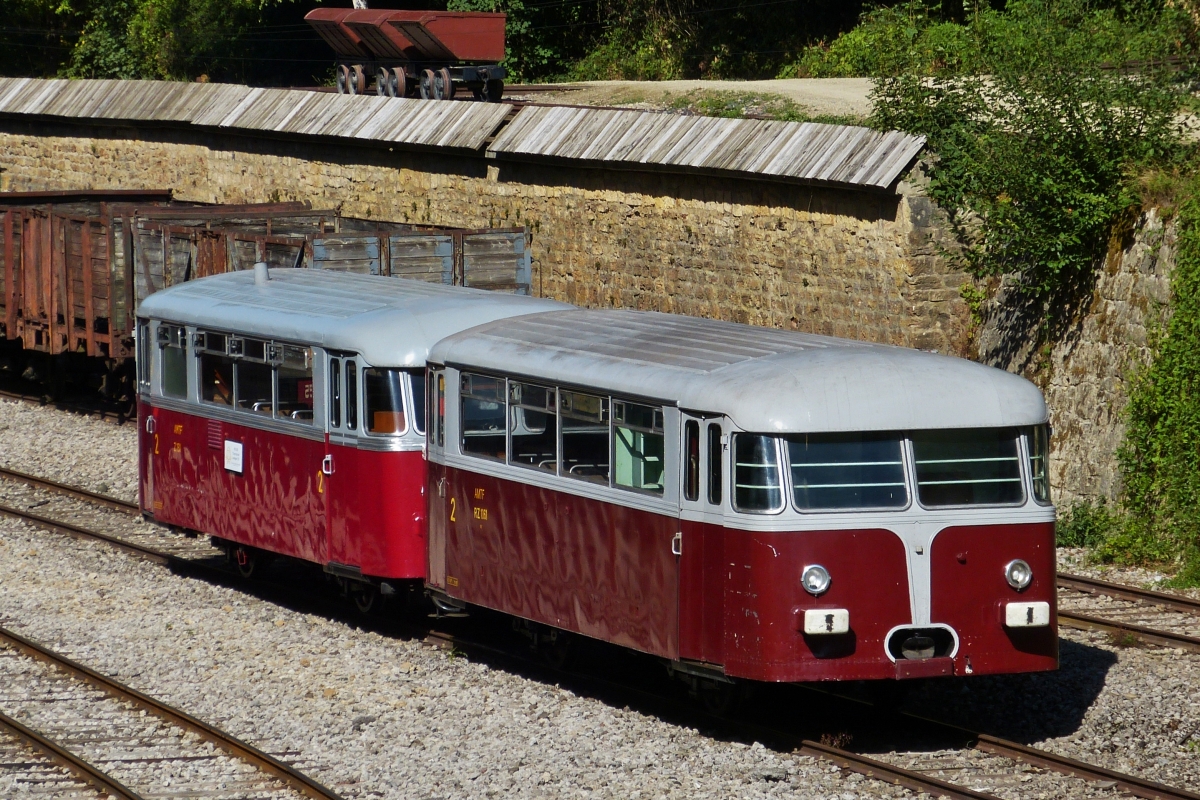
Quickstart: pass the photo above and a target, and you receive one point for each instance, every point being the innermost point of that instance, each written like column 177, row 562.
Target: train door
column 702, row 535
column 340, row 465
column 435, row 444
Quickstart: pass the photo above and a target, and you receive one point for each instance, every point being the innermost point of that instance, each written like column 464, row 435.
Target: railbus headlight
column 1018, row 574
column 815, row 579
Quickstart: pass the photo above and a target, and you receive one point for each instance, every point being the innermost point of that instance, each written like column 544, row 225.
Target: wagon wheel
column 399, row 83
column 383, row 83
column 343, row 78
column 427, row 84
column 719, row 697
column 365, row 596
column 492, row 91
column 558, row 649
column 358, row 80
column 247, row 561
column 443, row 85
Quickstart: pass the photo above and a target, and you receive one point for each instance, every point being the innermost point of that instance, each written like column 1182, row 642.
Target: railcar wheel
column 383, row 83
column 443, row 85
column 365, row 596
column 557, row 648
column 427, row 84
column 719, row 697
column 247, row 561
column 358, row 80
column 343, row 79
column 492, row 91
column 400, row 85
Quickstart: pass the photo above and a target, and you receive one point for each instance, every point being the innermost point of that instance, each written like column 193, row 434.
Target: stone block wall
column 845, row 263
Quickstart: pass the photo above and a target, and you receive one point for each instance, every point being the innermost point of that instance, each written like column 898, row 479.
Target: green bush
column 1086, row 524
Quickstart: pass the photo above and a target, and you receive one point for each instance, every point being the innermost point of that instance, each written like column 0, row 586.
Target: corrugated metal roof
column 837, row 154
column 806, row 151
column 392, row 120
column 764, row 379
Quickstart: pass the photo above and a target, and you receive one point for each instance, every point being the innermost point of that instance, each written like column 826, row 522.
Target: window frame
column 1023, row 474
column 556, row 415
column 270, row 352
column 784, row 480
column 462, row 432
column 906, row 462
column 714, row 479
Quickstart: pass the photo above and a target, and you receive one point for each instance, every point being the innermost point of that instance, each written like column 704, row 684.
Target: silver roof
column 764, row 379
column 461, row 126
column 392, row 322
column 843, row 154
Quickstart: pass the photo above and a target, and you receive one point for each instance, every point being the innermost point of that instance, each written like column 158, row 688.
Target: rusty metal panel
column 497, row 260
column 803, row 151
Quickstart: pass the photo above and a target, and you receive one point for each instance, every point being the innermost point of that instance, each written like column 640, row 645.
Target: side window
column 293, row 382
column 440, row 405
column 756, row 483
column 173, row 342
column 145, row 367
column 216, row 369
column 533, row 426
column 482, row 421
column 585, row 450
column 384, row 395
column 715, row 459
column 351, row 394
column 335, row 393
column 418, row 399
column 639, row 446
column 1039, row 462
column 253, row 385
column 691, row 446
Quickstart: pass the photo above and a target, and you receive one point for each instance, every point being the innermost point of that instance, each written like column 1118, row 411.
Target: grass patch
column 753, row 105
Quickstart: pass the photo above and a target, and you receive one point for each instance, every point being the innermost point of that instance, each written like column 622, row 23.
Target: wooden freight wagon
column 74, row 266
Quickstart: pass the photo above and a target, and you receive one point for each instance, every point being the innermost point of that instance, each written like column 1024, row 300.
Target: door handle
column 327, row 465
column 150, row 425
column 677, row 544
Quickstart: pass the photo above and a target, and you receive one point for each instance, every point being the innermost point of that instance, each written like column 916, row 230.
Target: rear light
column 815, row 579
column 1018, row 574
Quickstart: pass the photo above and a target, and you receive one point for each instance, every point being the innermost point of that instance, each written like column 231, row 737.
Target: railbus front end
column 741, row 502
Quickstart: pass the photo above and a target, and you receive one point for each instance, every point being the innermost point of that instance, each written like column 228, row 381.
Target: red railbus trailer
column 282, row 411
column 743, row 502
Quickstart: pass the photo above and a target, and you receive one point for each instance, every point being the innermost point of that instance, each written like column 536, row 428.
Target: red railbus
column 743, row 502
column 282, row 412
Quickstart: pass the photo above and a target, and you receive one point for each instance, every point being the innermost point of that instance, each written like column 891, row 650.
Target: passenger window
column 385, row 401
column 174, row 361
column 335, row 393
column 254, row 386
column 533, row 426
column 440, row 405
column 639, row 446
column 351, row 394
column 1039, row 463
column 856, row 470
column 418, row 396
column 584, row 436
column 216, row 376
column 691, row 446
column 967, row 467
column 756, row 484
column 482, row 422
column 294, row 382
column 715, row 457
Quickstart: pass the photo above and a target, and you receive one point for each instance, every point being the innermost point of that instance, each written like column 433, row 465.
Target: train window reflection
column 351, row 394
column 715, row 453
column 584, row 436
column 295, row 389
column 174, row 362
column 216, row 379
column 1039, row 462
column 639, row 446
column 418, row 396
column 533, row 426
column 967, row 467
column 482, row 421
column 756, row 484
column 253, row 387
column 385, row 401
column 854, row 470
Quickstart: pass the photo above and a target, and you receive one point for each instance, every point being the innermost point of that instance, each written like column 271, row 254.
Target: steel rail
column 268, row 764
column 1079, row 583
column 78, row 532
column 103, row 782
column 1083, row 622
column 880, row 771
column 1139, row 787
column 69, row 491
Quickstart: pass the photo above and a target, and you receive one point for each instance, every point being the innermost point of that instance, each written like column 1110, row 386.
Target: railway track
column 1129, row 614
column 124, row 743
column 923, row 773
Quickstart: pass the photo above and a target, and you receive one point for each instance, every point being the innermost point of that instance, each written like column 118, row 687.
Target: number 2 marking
column 320, row 482
column 452, row 519
column 156, row 444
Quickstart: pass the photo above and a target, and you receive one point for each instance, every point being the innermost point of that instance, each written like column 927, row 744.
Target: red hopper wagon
column 425, row 53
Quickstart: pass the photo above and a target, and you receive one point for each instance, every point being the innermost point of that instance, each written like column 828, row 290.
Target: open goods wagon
column 415, row 53
column 75, row 265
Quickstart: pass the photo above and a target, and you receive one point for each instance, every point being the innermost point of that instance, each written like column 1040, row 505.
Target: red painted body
column 281, row 502
column 733, row 597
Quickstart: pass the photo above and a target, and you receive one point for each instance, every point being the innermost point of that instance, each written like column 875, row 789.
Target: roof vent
column 261, row 274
